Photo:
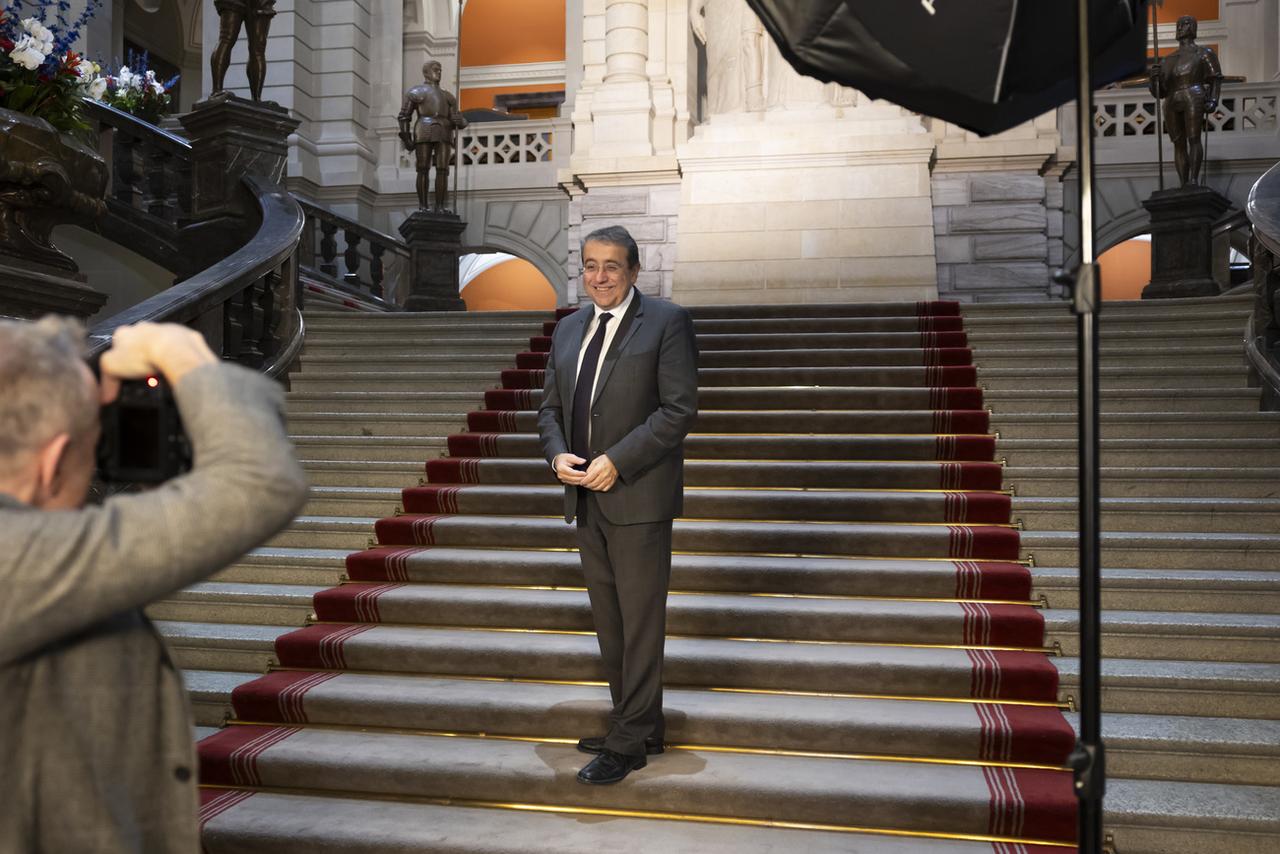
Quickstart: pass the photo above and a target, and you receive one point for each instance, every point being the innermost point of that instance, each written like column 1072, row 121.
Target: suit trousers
column 628, row 570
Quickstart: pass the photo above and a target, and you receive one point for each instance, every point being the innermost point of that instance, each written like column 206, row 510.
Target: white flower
column 27, row 53
column 85, row 69
column 40, row 33
column 125, row 78
column 98, row 88
column 157, row 87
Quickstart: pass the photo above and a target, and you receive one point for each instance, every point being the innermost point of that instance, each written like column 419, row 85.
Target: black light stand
column 1088, row 760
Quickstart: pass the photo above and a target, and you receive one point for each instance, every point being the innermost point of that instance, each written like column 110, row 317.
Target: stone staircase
column 844, row 676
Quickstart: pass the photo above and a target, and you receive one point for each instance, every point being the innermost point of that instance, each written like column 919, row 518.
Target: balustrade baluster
column 376, row 269
column 124, row 169
column 158, row 185
column 233, row 326
column 352, row 257
column 328, row 247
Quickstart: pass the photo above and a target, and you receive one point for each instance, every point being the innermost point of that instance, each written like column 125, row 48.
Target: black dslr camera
column 142, row 436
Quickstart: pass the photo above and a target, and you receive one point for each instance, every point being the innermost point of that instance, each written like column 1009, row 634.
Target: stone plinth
column 29, row 291
column 232, row 137
column 1181, row 242
column 806, row 206
column 435, row 244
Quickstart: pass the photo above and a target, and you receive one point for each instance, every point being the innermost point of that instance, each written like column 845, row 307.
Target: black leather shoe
column 595, row 744
column 610, row 767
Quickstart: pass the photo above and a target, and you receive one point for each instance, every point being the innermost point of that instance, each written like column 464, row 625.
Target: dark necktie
column 582, row 392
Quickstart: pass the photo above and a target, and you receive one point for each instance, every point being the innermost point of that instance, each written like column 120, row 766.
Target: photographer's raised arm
column 67, row 570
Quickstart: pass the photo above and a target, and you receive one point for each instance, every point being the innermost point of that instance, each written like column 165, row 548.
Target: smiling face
column 605, row 273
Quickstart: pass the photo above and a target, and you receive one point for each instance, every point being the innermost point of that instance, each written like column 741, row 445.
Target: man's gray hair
column 615, row 235
column 42, row 387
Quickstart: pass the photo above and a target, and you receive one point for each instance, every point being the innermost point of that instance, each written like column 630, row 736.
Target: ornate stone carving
column 46, row 178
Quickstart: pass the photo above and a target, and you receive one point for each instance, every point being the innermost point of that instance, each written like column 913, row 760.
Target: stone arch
column 1120, row 214
column 532, row 230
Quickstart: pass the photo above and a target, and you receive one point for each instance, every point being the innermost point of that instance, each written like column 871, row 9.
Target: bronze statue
column 256, row 16
column 1190, row 82
column 431, row 137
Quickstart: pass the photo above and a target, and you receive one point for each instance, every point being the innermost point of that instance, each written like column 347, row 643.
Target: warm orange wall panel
column 1201, row 10
column 501, row 32
column 475, row 99
column 1126, row 269
column 514, row 285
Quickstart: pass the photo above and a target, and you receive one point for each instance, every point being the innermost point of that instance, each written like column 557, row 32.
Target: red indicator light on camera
column 152, row 382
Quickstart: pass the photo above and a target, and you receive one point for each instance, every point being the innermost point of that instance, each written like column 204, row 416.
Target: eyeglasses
column 611, row 268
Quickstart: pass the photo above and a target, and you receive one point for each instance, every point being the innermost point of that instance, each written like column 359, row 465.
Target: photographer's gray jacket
column 95, row 731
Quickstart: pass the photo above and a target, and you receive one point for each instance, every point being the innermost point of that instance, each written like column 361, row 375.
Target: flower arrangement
column 136, row 90
column 39, row 73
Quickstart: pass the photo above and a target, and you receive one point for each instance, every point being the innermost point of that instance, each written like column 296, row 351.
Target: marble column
column 626, row 40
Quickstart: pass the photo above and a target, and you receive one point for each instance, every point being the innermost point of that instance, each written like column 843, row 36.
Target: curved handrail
column 274, row 243
column 116, row 118
column 1264, row 212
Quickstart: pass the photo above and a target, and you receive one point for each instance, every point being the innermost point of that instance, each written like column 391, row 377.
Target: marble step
column 1226, row 689
column 757, row 721
column 287, row 566
column 1179, row 635
column 1236, row 591
column 371, row 448
column 1197, row 452
column 1160, row 549
column 1168, row 355
column 1135, row 425
column 377, row 424
column 927, row 421
column 1170, row 320
column 1111, row 376
column 1155, row 747
column 1234, row 398
column 259, row 604
column 303, row 824
column 861, row 669
column 1211, row 515
column 435, row 359
column 902, row 796
column 358, row 474
column 1000, row 341
column 840, row 539
column 1148, row 481
column 377, row 381
column 1235, row 302
column 298, row 403
column 326, row 345
column 699, row 503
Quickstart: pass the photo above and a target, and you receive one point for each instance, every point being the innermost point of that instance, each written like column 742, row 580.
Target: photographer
column 95, row 728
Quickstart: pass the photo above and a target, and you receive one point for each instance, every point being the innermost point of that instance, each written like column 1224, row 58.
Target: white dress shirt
column 615, row 317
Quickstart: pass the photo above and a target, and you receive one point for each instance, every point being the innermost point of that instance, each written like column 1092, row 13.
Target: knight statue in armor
column 1189, row 80
column 431, row 136
column 255, row 16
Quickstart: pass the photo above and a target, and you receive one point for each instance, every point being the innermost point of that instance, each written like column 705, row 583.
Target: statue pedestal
column 1181, row 243
column 29, row 291
column 232, row 137
column 435, row 244
column 806, row 206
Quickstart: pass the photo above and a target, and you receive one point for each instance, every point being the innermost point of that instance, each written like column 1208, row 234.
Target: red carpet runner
column 845, row 456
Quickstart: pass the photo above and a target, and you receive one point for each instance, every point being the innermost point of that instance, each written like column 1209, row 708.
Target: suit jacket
column 646, row 401
column 95, row 729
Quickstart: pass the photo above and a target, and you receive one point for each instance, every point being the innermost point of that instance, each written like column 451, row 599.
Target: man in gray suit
column 95, row 730
column 621, row 394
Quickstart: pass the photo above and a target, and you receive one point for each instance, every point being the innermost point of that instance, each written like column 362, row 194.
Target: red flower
column 6, row 45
